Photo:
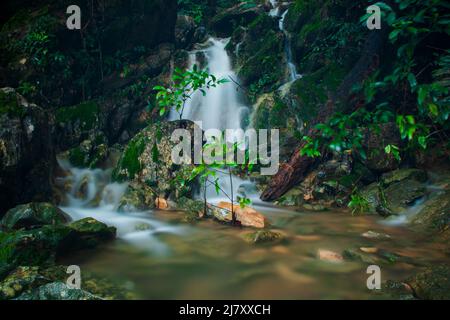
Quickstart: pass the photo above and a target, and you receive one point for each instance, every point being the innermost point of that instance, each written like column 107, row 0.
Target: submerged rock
column 263, row 236
column 33, row 215
column 375, row 235
column 329, row 256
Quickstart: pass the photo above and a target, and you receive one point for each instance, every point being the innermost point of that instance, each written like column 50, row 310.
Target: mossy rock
column 263, row 236
column 86, row 114
column 21, row 280
column 434, row 218
column 400, row 195
column 404, row 174
column 147, row 160
column 35, row 247
column 91, row 153
column 260, row 63
column 57, row 291
column 41, row 246
column 33, row 215
column 137, row 197
column 432, row 284
column 9, row 104
column 90, row 232
column 193, row 209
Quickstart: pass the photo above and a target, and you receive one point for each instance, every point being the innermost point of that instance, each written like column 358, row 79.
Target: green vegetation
column 9, row 104
column 129, row 165
column 86, row 113
column 184, row 85
column 421, row 114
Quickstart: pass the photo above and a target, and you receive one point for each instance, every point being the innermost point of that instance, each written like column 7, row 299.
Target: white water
column 293, row 74
column 100, row 201
column 221, row 109
column 275, row 12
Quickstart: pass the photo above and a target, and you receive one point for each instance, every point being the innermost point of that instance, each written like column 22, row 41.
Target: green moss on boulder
column 9, row 104
column 33, row 215
column 86, row 114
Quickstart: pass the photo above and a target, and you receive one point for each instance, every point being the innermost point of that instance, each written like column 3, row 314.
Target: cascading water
column 275, row 12
column 293, row 74
column 92, row 194
column 220, row 109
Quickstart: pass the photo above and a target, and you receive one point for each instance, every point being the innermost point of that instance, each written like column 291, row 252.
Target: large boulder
column 137, row 197
column 39, row 246
column 397, row 191
column 434, row 218
column 138, row 162
column 90, row 233
column 33, row 215
column 26, row 151
column 432, row 284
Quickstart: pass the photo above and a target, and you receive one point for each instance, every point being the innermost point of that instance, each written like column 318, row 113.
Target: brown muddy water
column 208, row 260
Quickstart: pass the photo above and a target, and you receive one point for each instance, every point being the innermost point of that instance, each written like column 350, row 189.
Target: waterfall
column 293, row 74
column 90, row 193
column 275, row 12
column 221, row 108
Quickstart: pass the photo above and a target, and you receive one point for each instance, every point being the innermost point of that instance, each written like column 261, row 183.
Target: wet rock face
column 432, row 284
column 434, row 218
column 239, row 15
column 185, row 31
column 44, row 282
column 42, row 245
column 33, row 215
column 260, row 59
column 26, row 151
column 147, row 160
column 397, row 191
column 375, row 142
column 137, row 197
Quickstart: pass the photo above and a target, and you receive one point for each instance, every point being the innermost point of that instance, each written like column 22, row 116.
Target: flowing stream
column 160, row 257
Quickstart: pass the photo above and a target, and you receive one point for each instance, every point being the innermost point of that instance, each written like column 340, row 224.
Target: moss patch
column 129, row 164
column 86, row 113
column 9, row 104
